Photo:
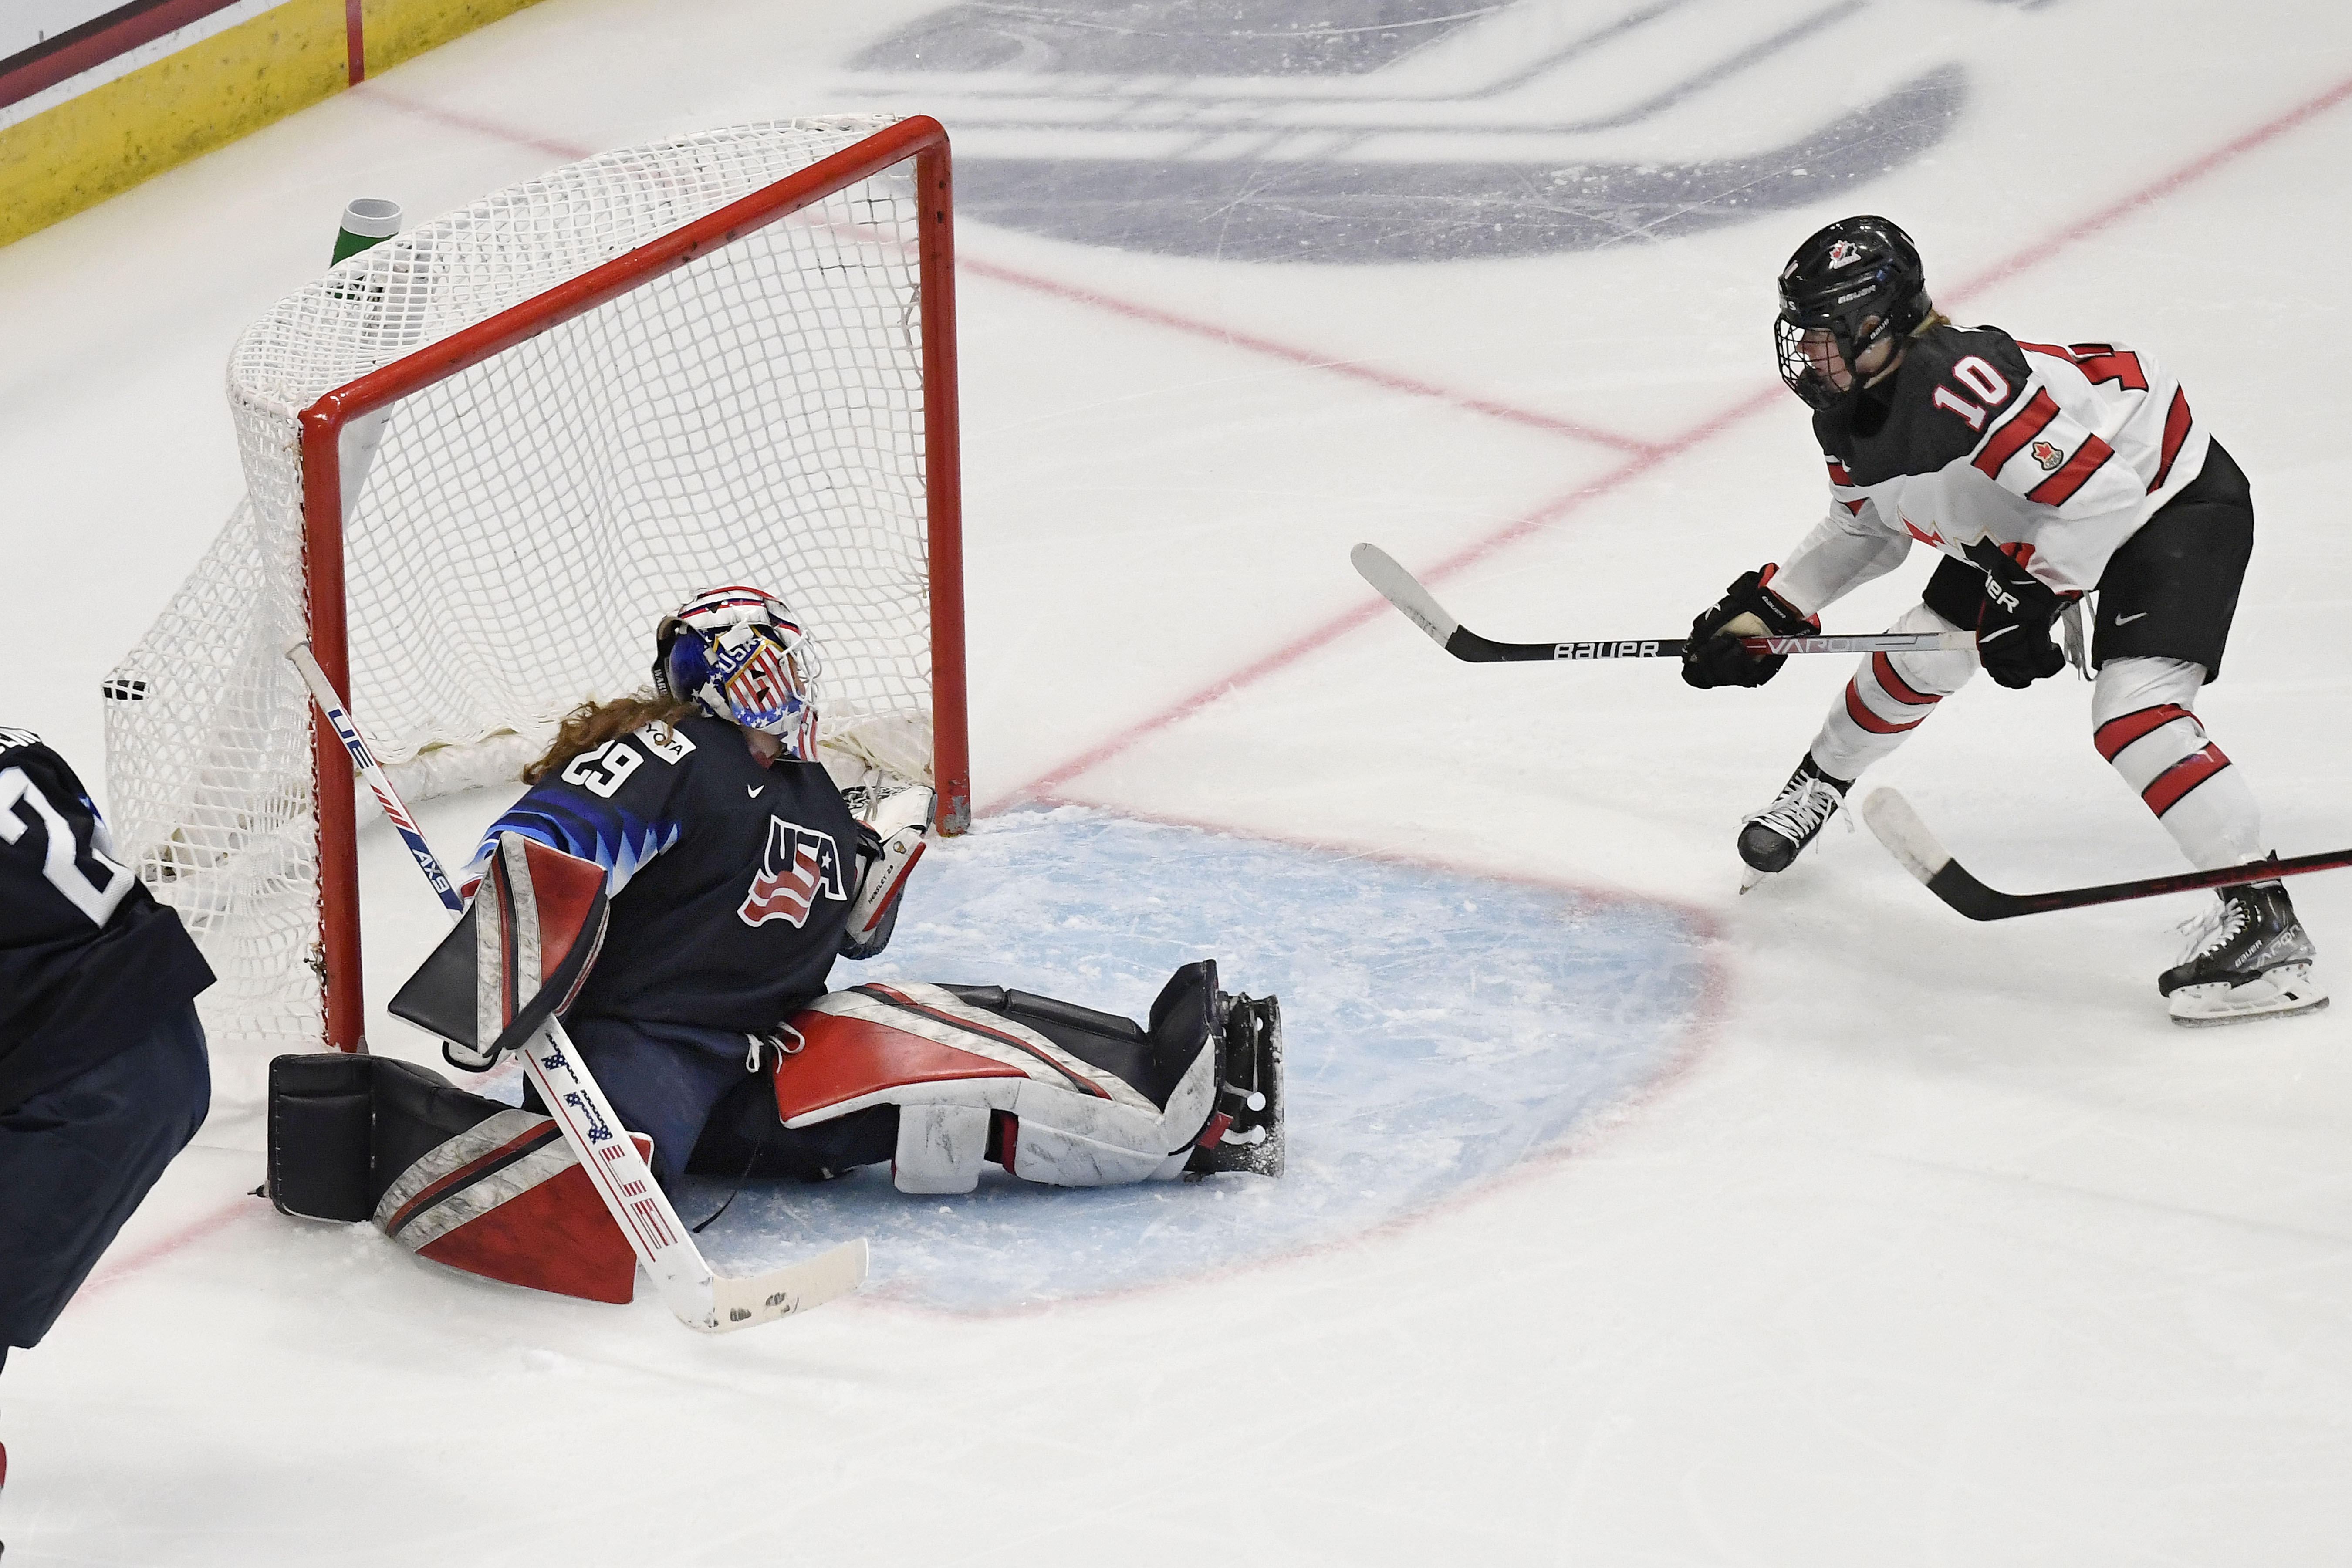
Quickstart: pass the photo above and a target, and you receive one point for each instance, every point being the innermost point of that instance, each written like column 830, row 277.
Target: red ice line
column 1645, row 457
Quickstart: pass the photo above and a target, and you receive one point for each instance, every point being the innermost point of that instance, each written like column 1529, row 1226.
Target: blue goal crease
column 1439, row 1029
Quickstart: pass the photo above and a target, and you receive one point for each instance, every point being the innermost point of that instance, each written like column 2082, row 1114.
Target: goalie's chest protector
column 735, row 879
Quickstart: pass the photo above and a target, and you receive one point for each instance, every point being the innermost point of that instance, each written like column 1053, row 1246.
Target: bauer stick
column 1402, row 589
column 701, row 1298
column 1908, row 839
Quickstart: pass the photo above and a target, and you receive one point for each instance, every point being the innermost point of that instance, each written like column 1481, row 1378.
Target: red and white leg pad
column 507, row 1200
column 953, row 1069
column 451, row 1177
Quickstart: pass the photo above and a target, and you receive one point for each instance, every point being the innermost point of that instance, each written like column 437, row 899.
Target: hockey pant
column 77, row 1159
column 2142, row 720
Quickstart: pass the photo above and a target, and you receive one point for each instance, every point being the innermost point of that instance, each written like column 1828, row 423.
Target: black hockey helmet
column 1860, row 279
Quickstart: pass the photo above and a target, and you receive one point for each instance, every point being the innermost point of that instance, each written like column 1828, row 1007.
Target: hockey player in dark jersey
column 102, row 1071
column 734, row 873
column 2051, row 478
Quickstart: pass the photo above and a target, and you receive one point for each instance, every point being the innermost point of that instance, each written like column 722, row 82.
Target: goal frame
column 919, row 137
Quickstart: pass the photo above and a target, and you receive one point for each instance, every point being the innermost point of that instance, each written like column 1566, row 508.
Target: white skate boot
column 2248, row 958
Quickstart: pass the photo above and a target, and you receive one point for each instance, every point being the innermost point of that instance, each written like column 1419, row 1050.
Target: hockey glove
column 2013, row 624
column 1712, row 655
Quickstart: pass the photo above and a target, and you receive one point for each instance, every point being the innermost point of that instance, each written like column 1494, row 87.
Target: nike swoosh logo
column 752, row 791
column 2126, row 620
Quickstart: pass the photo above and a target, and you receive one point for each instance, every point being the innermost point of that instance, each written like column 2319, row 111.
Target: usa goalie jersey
column 2056, row 452
column 731, row 881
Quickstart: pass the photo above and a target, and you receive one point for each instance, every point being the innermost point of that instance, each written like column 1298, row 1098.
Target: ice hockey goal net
column 482, row 457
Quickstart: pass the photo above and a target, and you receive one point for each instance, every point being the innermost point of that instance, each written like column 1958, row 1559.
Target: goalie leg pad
column 451, row 1175
column 1073, row 1097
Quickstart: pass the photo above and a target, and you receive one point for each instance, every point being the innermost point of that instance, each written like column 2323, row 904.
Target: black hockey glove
column 1712, row 655
column 2013, row 624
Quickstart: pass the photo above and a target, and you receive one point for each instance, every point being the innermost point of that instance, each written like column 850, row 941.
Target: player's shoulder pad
column 1953, row 384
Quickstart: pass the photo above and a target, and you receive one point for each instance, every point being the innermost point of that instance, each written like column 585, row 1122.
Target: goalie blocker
column 937, row 1079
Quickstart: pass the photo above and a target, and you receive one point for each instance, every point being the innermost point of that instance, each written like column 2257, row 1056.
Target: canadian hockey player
column 2060, row 482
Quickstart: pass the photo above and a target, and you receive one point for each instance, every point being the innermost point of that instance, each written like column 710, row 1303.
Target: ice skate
column 1771, row 840
column 2248, row 958
column 1244, row 1133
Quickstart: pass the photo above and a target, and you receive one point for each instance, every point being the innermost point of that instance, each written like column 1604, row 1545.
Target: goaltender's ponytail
column 592, row 724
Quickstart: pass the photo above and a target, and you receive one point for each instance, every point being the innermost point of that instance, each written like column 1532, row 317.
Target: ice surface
column 1439, row 1031
column 1943, row 1248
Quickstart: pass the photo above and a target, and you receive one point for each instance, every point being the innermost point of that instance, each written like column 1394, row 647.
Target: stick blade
column 1402, row 589
column 1906, row 838
column 795, row 1288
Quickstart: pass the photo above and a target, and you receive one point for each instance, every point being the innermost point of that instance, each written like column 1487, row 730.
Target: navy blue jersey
column 90, row 963
column 730, row 880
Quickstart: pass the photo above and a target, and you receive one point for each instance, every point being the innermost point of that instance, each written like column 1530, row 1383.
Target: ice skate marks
column 1441, row 1029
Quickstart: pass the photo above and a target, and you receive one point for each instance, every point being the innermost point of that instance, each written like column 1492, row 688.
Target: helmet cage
column 740, row 655
column 1884, row 296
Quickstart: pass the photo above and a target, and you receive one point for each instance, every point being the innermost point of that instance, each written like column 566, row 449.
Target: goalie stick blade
column 796, row 1288
column 1907, row 837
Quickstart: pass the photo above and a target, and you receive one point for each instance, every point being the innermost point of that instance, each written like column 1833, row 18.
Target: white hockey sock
column 2144, row 721
column 1890, row 696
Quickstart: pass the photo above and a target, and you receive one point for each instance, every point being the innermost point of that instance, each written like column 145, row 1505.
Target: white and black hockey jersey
column 2058, row 453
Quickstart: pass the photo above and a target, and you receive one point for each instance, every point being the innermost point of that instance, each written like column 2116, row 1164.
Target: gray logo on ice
column 1371, row 131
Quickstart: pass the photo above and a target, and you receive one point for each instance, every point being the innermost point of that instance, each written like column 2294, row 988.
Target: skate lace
column 2212, row 929
column 1798, row 815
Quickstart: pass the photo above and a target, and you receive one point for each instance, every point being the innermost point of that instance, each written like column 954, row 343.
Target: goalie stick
column 1908, row 839
column 701, row 1298
column 1402, row 589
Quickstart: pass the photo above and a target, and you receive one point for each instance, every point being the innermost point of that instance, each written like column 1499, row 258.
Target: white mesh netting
column 513, row 533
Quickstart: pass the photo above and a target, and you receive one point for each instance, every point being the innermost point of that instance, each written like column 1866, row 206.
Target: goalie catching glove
column 889, row 842
column 1712, row 656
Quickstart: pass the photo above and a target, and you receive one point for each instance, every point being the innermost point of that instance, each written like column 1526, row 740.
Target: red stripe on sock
column 1872, row 722
column 1882, row 669
column 2183, row 777
column 2114, row 735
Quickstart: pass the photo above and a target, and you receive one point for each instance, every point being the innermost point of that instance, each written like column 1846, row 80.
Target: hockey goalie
column 676, row 883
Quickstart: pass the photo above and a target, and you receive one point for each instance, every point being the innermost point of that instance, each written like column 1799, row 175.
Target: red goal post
column 534, row 423
column 921, row 138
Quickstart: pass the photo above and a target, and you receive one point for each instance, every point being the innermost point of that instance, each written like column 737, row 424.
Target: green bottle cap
column 370, row 220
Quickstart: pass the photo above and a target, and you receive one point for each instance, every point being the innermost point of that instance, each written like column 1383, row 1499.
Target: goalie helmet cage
column 484, row 457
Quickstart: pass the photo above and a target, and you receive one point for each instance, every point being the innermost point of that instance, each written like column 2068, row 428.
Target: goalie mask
column 740, row 655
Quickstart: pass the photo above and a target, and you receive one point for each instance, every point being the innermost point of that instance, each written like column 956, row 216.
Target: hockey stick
column 701, row 1298
column 1402, row 589
column 1908, row 839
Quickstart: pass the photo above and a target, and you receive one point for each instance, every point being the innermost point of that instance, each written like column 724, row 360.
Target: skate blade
column 2208, row 1006
column 1751, row 878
